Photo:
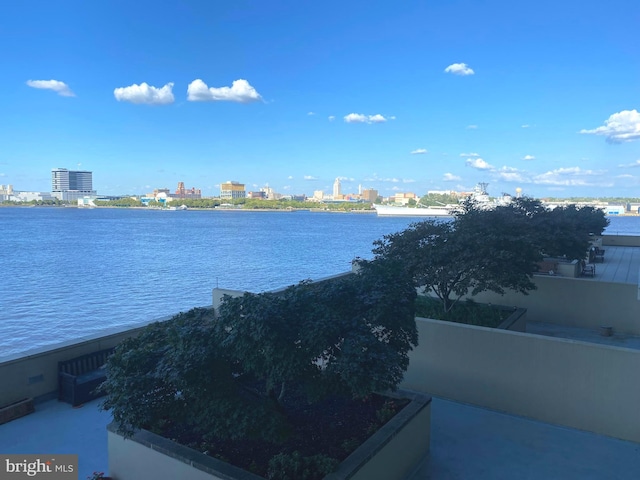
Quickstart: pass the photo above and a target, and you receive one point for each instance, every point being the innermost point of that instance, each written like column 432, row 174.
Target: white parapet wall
column 580, row 385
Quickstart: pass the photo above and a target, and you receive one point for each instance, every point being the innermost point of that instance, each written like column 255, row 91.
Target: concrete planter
column 391, row 453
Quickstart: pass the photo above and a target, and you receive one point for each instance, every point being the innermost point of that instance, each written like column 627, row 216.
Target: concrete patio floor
column 618, row 339
column 466, row 443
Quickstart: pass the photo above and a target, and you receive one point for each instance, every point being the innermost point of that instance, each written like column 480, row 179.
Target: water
column 70, row 272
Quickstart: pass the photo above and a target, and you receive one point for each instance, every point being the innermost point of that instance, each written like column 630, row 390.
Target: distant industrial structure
column 71, row 185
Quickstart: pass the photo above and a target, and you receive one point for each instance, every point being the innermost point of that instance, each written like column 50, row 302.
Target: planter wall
column 587, row 386
column 392, row 453
column 16, row 410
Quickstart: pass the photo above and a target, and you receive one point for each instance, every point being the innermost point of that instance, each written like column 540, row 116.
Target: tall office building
column 71, row 184
column 337, row 190
column 231, row 190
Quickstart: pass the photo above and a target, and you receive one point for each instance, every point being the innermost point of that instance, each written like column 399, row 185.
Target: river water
column 70, row 272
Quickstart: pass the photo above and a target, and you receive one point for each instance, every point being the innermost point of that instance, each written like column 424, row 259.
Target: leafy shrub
column 468, row 312
column 294, row 466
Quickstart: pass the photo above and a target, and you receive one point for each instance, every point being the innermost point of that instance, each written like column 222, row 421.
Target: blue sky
column 398, row 96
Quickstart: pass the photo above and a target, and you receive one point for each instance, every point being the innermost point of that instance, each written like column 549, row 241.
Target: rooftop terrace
column 466, row 443
column 621, row 265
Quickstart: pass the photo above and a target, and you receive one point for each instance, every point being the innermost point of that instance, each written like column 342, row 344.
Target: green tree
column 479, row 250
column 228, row 376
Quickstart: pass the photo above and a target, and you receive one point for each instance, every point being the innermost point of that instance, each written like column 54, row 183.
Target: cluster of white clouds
column 361, row 118
column 450, row 177
column 620, row 127
column 459, row 69
column 57, row 86
column 419, row 151
column 631, row 165
column 564, row 176
column 240, row 91
column 375, row 178
column 145, row 94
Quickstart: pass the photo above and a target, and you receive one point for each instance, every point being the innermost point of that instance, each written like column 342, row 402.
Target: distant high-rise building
column 71, row 184
column 231, row 190
column 337, row 189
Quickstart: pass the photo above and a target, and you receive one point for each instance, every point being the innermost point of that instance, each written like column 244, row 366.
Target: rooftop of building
column 620, row 265
column 466, row 442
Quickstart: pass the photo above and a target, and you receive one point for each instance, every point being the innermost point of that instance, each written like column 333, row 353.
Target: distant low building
column 182, row 192
column 369, row 195
column 31, row 197
column 403, row 198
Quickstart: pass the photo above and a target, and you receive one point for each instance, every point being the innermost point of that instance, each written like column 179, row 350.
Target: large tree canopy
column 228, row 375
column 488, row 249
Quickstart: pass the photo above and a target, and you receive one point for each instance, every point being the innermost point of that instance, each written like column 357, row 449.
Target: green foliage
column 172, row 373
column 195, row 202
column 350, row 335
column 467, row 312
column 293, row 466
column 228, row 376
column 488, row 249
column 120, row 202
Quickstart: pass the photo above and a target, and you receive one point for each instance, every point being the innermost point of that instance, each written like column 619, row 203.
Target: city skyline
column 399, row 98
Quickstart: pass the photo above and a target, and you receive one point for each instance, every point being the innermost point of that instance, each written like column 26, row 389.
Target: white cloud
column 332, row 118
column 145, row 94
column 472, row 154
column 361, row 118
column 510, row 174
column 528, row 157
column 620, row 127
column 311, row 113
column 377, row 118
column 631, row 165
column 624, row 175
column 290, row 177
column 419, row 151
column 240, row 91
column 450, row 177
column 478, row 163
column 459, row 69
column 310, row 177
column 57, row 86
column 472, row 127
column 375, row 178
column 525, row 126
column 346, row 179
column 571, row 176
column 356, row 118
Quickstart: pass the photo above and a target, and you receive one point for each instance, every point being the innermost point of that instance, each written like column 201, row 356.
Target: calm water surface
column 70, row 272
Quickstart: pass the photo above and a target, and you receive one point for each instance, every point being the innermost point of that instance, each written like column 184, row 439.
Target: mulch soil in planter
column 334, row 427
